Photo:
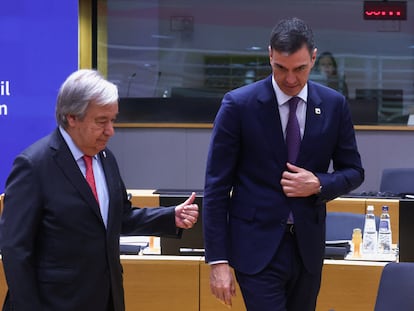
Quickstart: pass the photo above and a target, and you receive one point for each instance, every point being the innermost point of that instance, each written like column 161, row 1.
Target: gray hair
column 79, row 90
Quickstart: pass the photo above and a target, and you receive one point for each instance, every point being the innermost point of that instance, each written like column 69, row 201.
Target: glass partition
column 174, row 60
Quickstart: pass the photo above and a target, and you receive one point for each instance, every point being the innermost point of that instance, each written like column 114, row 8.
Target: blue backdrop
column 38, row 50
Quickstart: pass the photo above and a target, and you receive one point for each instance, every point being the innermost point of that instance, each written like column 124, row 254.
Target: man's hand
column 298, row 182
column 222, row 283
column 186, row 214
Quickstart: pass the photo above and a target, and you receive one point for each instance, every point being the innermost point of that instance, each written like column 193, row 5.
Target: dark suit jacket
column 247, row 156
column 56, row 251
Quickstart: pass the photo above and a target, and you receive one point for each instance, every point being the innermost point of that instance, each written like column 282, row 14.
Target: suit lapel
column 70, row 169
column 271, row 124
column 313, row 126
column 272, row 128
column 110, row 182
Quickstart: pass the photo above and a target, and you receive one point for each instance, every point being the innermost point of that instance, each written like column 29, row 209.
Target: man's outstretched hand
column 186, row 214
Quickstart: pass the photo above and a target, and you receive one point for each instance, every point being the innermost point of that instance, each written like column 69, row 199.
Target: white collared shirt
column 98, row 172
column 283, row 106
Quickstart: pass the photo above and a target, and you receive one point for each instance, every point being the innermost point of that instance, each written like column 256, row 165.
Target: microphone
column 156, row 83
column 130, row 78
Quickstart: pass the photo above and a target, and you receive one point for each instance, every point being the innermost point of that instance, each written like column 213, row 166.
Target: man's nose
column 290, row 77
column 109, row 129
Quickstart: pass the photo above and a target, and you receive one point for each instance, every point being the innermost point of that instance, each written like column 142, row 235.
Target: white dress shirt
column 98, row 172
column 283, row 106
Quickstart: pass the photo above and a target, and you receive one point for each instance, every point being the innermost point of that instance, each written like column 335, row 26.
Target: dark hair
column 289, row 36
column 328, row 55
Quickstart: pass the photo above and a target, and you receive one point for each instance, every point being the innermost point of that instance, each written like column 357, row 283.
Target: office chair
column 339, row 229
column 339, row 225
column 395, row 290
column 397, row 181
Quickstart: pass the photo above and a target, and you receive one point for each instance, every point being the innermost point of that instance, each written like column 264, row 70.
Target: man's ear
column 71, row 119
column 313, row 56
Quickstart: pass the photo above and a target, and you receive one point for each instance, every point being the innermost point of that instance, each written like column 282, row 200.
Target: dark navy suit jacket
column 57, row 253
column 244, row 207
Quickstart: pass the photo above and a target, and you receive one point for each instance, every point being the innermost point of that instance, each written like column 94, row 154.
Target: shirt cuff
column 217, row 262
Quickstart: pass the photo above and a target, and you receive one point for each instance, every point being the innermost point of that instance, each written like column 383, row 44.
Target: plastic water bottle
column 369, row 240
column 384, row 232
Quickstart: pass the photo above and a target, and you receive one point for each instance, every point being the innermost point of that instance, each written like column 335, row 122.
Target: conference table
column 346, row 284
column 169, row 283
column 176, row 283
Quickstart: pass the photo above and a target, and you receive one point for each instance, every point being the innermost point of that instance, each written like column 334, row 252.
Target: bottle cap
column 370, row 208
column 385, row 208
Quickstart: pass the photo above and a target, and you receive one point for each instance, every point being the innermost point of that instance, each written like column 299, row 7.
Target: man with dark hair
column 268, row 179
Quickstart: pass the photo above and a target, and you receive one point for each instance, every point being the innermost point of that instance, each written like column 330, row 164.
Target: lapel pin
column 317, row 111
column 104, row 153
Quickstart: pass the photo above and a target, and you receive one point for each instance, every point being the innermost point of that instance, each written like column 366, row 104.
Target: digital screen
column 39, row 49
column 385, row 10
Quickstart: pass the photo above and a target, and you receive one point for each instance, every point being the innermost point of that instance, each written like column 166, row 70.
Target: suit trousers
column 110, row 303
column 284, row 285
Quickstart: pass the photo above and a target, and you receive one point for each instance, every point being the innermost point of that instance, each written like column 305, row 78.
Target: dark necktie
column 293, row 131
column 89, row 175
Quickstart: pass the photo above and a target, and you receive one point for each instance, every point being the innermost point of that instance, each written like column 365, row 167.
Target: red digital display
column 385, row 10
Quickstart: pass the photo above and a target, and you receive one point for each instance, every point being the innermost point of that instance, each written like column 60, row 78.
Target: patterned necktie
column 89, row 175
column 293, row 131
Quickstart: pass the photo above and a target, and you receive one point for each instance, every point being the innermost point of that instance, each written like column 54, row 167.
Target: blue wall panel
column 38, row 50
